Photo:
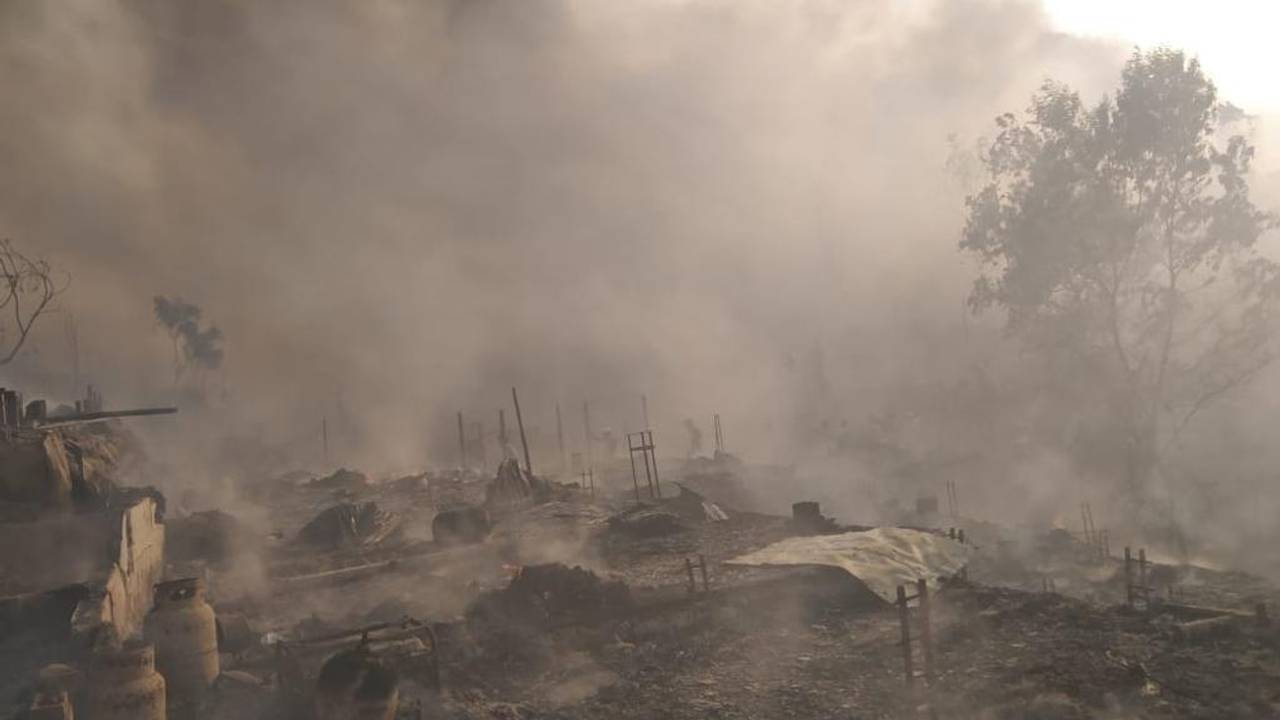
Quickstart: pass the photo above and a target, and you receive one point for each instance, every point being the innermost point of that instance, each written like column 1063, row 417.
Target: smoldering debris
column 209, row 536
column 468, row 524
column 351, row 525
column 534, row 596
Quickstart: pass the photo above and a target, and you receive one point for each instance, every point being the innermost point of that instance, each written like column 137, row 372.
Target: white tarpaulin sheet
column 882, row 559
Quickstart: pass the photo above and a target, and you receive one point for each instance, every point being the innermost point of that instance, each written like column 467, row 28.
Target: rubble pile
column 646, row 521
column 551, row 594
column 350, row 525
column 211, row 536
column 455, row 594
column 341, row 479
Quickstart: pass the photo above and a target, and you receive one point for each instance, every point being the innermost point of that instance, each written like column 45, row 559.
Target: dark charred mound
column 351, row 525
column 511, row 625
column 356, row 683
column 461, row 526
column 551, row 595
column 212, row 536
column 646, row 521
column 513, row 486
column 341, row 479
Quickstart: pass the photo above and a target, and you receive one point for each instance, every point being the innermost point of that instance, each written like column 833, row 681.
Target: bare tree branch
column 30, row 283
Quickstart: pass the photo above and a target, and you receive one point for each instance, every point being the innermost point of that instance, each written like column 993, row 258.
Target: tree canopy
column 194, row 347
column 1121, row 242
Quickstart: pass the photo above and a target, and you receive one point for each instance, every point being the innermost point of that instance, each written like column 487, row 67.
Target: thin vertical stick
column 1128, row 578
column 905, row 620
column 644, row 452
column 635, row 479
column 688, row 566
column 653, row 450
column 926, row 629
column 462, row 443
column 564, row 463
column 1142, row 578
column 515, row 400
column 586, row 431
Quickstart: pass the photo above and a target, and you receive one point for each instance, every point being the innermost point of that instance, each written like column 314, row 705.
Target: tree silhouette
column 28, row 288
column 1120, row 240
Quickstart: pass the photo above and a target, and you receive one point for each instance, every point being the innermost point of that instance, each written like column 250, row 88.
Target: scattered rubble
column 341, row 479
column 467, row 524
column 350, row 525
column 646, row 521
column 210, row 536
column 534, row 598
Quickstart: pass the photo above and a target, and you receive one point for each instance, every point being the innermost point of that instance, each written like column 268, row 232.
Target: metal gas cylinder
column 124, row 685
column 356, row 685
column 185, row 632
column 52, row 700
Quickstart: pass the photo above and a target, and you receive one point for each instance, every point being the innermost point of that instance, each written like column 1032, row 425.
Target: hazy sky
column 1235, row 39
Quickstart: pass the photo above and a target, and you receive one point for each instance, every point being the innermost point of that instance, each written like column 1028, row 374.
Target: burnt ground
column 784, row 643
column 769, row 652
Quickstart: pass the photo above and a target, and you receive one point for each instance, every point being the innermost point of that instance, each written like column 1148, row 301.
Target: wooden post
column 1128, row 578
column 688, row 566
column 564, row 460
column 653, row 450
column 719, row 434
column 926, row 629
column 528, row 466
column 1142, row 578
column 905, row 620
column 635, row 479
column 462, row 443
column 586, row 431
column 644, row 452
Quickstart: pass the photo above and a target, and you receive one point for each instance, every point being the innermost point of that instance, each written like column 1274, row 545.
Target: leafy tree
column 194, row 347
column 1121, row 242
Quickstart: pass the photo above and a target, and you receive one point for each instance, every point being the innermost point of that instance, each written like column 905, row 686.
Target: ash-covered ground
column 582, row 605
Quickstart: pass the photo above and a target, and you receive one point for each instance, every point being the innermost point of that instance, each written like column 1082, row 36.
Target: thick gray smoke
column 404, row 208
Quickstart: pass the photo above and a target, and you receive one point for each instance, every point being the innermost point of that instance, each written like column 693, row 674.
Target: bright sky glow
column 1237, row 41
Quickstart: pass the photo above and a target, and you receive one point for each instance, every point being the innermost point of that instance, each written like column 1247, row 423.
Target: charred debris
column 632, row 587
